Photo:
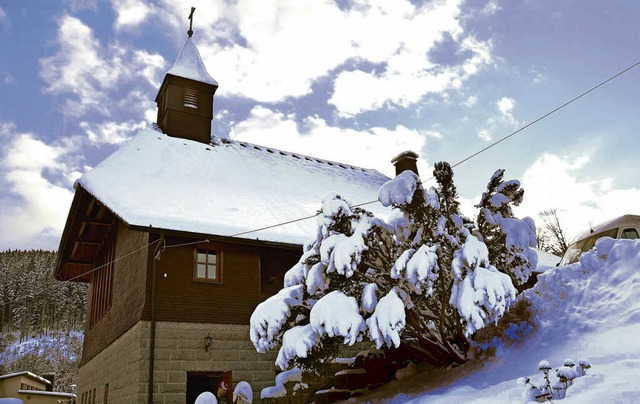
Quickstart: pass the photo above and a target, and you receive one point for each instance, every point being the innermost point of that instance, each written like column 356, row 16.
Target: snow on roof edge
column 622, row 219
column 261, row 232
column 26, row 373
column 189, row 64
column 47, row 393
column 195, row 234
column 256, row 146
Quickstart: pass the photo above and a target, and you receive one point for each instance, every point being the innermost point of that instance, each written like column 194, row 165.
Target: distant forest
column 33, row 302
column 41, row 319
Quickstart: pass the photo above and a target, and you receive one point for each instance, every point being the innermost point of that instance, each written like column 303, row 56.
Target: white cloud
column 432, row 133
column 79, row 68
column 78, row 5
column 28, row 153
column 491, row 8
column 373, row 148
column 505, row 106
column 153, row 66
column 4, row 21
column 553, row 182
column 91, row 74
column 357, row 91
column 505, row 120
column 409, row 75
column 111, row 132
column 537, row 74
column 7, row 129
column 470, row 102
column 268, row 50
column 130, row 13
column 484, row 135
column 8, row 78
column 37, row 190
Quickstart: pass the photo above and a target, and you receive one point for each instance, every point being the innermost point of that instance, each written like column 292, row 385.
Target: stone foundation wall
column 120, row 365
column 179, row 349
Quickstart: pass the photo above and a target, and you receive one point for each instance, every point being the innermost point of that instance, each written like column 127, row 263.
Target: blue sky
column 353, row 81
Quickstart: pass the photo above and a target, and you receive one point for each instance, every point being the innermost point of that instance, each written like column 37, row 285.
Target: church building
column 180, row 235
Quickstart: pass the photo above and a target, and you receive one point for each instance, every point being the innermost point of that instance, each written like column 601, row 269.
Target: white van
column 627, row 226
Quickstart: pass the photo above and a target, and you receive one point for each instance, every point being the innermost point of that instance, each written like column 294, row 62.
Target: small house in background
column 180, row 236
column 32, row 389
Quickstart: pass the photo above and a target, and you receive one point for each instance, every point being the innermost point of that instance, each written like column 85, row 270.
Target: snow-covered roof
column 225, row 188
column 620, row 221
column 189, row 64
column 26, row 374
column 47, row 393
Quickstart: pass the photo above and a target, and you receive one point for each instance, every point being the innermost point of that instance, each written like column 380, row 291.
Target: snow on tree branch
column 269, row 317
column 427, row 277
column 420, row 268
column 400, row 190
column 508, row 239
column 296, row 343
column 387, row 321
column 480, row 292
column 349, row 324
column 300, row 271
column 369, row 298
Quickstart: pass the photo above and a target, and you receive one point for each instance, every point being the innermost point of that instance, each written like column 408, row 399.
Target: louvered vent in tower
column 190, row 99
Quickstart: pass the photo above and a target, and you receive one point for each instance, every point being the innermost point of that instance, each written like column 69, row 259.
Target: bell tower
column 185, row 98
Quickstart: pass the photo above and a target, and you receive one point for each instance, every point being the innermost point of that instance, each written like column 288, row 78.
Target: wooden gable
column 88, row 226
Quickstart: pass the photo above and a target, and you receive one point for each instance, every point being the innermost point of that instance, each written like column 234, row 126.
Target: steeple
column 185, row 98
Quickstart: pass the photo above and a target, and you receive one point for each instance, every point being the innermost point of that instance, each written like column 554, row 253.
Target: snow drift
column 590, row 310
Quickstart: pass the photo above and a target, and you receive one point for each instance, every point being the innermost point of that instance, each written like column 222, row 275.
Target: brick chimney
column 405, row 161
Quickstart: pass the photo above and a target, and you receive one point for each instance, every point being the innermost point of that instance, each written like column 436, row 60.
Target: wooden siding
column 88, row 226
column 178, row 119
column 127, row 295
column 181, row 299
column 250, row 274
column 274, row 264
column 101, row 284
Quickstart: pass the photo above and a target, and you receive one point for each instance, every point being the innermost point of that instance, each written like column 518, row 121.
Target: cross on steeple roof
column 190, row 32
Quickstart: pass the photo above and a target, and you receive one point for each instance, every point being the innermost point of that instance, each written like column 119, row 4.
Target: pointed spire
column 190, row 66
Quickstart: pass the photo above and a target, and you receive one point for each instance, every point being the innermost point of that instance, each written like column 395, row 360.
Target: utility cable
column 535, row 121
column 464, row 160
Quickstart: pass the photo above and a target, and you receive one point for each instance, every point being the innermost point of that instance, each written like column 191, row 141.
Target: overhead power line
column 464, row 160
column 535, row 121
column 546, row 115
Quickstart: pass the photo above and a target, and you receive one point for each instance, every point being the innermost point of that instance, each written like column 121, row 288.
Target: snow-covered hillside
column 588, row 310
column 51, row 347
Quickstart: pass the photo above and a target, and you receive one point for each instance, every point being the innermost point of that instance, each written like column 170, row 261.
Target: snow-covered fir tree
column 508, row 239
column 424, row 278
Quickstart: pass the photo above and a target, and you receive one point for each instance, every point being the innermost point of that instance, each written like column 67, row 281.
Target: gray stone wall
column 119, row 366
column 179, row 350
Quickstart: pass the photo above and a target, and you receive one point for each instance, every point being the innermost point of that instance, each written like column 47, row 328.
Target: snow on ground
column 588, row 310
column 56, row 342
column 546, row 260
